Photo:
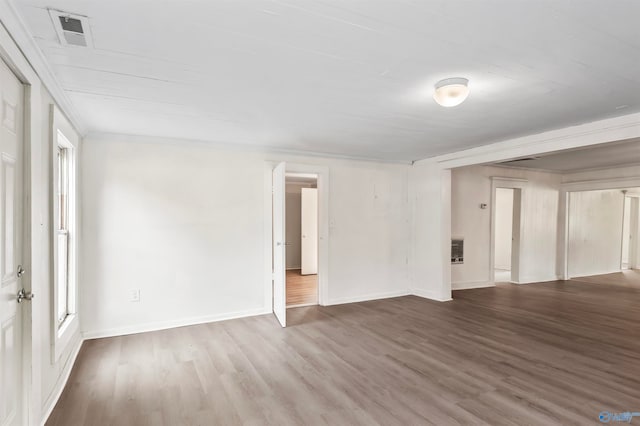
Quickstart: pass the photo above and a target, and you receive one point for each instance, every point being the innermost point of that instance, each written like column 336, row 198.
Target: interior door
column 279, row 238
column 11, row 209
column 309, row 234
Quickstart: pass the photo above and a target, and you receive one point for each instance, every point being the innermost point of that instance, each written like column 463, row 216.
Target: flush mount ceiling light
column 451, row 91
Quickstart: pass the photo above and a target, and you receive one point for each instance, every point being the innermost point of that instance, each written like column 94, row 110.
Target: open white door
column 11, row 214
column 279, row 255
column 309, row 234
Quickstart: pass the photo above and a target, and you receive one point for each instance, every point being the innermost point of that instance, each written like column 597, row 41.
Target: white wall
column 470, row 187
column 184, row 223
column 503, row 228
column 430, row 198
column 595, row 232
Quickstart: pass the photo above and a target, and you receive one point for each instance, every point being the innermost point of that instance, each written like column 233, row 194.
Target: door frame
column 31, row 372
column 323, row 227
column 520, row 186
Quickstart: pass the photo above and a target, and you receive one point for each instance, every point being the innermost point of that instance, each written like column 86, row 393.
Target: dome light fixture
column 451, row 92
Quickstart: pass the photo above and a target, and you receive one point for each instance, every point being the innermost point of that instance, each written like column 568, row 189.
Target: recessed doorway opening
column 293, row 284
column 503, row 234
column 506, row 230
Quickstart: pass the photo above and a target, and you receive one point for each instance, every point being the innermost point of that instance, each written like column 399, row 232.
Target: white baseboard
column 429, row 295
column 293, row 268
column 63, row 378
column 468, row 285
column 367, row 297
column 531, row 280
column 163, row 325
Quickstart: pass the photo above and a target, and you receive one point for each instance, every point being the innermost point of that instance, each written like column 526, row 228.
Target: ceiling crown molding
column 16, row 27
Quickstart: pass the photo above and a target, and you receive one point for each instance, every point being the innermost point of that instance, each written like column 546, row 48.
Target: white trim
column 431, row 295
column 15, row 25
column 368, row 297
column 164, row 325
column 593, row 133
column 64, row 136
column 61, row 383
column 468, row 285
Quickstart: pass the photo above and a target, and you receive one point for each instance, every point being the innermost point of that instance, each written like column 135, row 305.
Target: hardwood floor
column 626, row 278
column 301, row 289
column 538, row 354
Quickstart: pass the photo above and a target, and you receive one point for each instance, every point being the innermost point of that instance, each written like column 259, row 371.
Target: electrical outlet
column 134, row 295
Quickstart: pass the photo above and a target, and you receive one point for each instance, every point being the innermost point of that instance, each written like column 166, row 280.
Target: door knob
column 22, row 295
column 21, row 271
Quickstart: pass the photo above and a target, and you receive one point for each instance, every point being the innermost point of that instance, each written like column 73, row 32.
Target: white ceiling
column 595, row 157
column 345, row 77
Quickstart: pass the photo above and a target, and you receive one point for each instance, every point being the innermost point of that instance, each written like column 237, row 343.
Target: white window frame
column 63, row 331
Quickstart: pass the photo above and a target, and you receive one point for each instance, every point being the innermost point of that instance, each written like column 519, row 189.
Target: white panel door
column 279, row 238
column 309, row 232
column 11, row 128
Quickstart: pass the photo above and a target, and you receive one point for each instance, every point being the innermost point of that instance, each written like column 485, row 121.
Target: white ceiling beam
column 593, row 133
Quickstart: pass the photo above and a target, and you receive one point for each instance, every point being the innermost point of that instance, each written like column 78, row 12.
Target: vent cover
column 72, row 30
column 517, row 160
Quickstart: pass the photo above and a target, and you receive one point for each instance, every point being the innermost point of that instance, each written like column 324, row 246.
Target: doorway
column 630, row 258
column 301, row 248
column 506, row 232
column 316, row 236
column 503, row 234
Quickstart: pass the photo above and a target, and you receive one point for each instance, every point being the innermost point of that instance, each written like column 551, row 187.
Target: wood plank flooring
column 538, row 354
column 301, row 289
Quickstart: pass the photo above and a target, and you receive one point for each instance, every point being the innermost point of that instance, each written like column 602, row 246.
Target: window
column 65, row 229
column 62, row 305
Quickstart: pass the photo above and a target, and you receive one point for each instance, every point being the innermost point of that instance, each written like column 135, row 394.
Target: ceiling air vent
column 72, row 30
column 517, row 160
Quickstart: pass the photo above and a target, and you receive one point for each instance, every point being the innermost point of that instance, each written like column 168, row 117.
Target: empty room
column 319, row 212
